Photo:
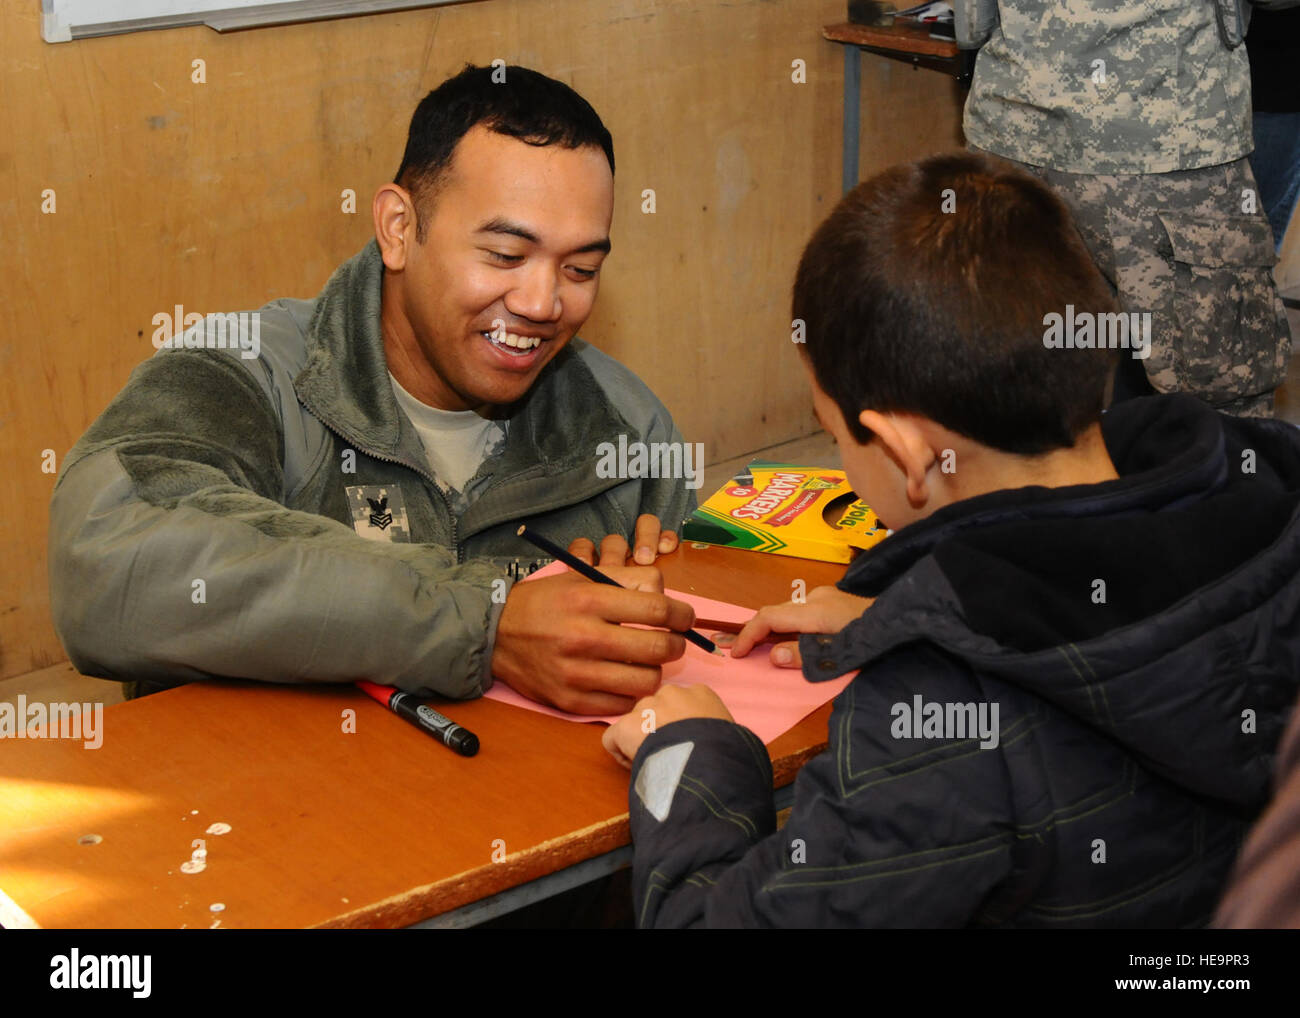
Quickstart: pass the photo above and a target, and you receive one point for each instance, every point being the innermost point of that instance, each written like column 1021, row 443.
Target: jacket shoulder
column 624, row 390
column 285, row 327
column 272, row 344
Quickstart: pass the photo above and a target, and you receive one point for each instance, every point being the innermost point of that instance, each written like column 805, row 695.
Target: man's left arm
column 670, row 500
column 656, row 505
column 673, row 499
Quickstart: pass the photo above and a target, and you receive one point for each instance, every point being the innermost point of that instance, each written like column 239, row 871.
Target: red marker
column 424, row 717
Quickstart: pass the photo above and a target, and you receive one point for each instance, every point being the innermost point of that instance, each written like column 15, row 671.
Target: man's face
column 513, row 246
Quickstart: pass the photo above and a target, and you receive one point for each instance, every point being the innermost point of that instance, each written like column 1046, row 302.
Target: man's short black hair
column 519, row 103
column 925, row 290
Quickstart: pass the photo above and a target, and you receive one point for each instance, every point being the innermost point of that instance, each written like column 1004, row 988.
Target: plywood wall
column 226, row 194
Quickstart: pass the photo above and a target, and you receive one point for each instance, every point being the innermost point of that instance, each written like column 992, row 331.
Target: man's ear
column 395, row 224
column 905, row 443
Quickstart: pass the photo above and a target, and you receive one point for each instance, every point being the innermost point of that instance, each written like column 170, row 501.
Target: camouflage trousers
column 1193, row 248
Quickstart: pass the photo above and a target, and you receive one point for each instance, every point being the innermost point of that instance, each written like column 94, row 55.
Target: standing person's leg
column 1276, row 165
column 1202, row 255
column 1190, row 248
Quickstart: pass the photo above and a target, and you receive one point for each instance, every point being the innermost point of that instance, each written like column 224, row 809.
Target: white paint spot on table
column 219, row 828
column 89, row 839
column 194, row 866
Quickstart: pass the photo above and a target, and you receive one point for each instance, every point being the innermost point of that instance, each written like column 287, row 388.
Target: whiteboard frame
column 55, row 29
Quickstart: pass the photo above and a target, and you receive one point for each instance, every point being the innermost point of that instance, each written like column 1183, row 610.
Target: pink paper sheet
column 767, row 700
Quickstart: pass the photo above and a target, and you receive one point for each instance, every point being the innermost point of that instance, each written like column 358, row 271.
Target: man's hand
column 649, row 540
column 672, row 703
column 559, row 639
column 828, row 610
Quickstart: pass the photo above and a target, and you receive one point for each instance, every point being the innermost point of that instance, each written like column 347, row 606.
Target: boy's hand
column 648, row 541
column 672, row 703
column 561, row 640
column 828, row 610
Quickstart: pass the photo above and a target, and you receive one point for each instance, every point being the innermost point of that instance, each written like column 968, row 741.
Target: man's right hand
column 559, row 639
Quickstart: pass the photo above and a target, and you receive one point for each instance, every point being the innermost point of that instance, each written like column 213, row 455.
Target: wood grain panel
column 223, row 195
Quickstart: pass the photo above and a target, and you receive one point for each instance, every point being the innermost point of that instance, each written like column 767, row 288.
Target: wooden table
column 378, row 827
column 902, row 41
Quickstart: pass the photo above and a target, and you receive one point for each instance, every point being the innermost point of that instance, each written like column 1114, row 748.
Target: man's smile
column 513, row 351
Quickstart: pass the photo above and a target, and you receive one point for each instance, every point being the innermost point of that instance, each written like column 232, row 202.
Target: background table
column 903, row 41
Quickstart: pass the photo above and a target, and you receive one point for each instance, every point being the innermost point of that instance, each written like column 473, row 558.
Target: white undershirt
column 455, row 441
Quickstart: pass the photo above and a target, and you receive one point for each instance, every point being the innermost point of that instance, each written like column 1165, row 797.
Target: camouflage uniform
column 1138, row 114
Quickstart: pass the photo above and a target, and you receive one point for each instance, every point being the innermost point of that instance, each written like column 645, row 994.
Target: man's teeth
column 510, row 339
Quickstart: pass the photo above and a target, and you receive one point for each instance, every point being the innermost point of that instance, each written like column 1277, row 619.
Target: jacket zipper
column 433, row 484
column 455, row 537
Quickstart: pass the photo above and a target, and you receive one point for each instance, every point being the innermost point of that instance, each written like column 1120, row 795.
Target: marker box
column 784, row 509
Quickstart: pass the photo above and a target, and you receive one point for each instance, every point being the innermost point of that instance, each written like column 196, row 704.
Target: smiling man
column 335, row 495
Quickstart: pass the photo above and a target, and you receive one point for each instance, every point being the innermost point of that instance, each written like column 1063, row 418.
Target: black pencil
column 575, row 563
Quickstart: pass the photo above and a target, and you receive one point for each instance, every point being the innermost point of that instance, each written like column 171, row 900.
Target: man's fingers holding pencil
column 646, row 579
column 560, row 640
column 608, row 687
column 628, row 604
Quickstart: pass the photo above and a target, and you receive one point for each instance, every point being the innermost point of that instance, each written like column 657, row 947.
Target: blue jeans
column 1276, row 163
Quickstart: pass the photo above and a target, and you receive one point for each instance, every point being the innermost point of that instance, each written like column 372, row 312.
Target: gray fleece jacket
column 273, row 516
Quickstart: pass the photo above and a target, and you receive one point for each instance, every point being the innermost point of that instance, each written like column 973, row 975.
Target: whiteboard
column 65, row 20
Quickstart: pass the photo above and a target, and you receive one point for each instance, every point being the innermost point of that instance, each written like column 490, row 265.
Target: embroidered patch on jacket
column 518, row 568
column 378, row 512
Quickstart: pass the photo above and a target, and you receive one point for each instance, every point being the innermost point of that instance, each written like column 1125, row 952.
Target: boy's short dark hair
column 908, row 307
column 525, row 105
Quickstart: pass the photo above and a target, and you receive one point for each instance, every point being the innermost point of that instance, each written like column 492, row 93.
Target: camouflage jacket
column 1109, row 88
column 292, row 485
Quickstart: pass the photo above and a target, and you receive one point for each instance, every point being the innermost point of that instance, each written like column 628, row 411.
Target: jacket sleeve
column 670, row 499
column 883, row 832
column 173, row 559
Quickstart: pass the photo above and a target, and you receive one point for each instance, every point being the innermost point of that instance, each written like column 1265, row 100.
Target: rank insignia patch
column 378, row 512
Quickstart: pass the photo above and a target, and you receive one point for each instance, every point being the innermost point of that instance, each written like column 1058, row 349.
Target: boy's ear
column 907, row 445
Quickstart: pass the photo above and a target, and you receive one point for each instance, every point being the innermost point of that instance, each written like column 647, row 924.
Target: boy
column 1077, row 648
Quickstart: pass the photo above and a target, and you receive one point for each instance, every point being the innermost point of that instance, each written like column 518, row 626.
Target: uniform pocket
column 1230, row 336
